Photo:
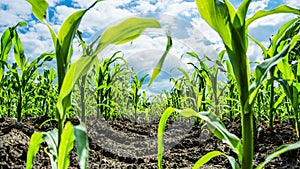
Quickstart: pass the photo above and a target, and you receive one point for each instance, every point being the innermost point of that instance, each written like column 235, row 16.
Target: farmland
column 95, row 112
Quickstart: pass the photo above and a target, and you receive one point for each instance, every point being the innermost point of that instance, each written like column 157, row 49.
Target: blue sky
column 180, row 17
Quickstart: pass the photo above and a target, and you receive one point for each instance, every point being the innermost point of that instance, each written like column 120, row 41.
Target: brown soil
column 123, row 144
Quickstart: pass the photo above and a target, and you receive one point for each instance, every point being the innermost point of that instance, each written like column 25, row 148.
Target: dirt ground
column 125, row 144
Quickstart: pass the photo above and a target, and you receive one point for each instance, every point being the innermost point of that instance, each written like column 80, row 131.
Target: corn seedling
column 135, row 96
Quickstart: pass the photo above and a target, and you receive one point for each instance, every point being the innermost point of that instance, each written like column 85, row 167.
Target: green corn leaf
column 214, row 123
column 286, row 88
column 66, row 145
column 279, row 100
column 242, row 10
column 216, row 14
column 126, row 30
column 298, row 69
column 66, row 35
column 39, row 9
column 51, row 138
column 295, row 40
column 161, row 129
column 160, row 63
column 82, row 145
column 77, row 69
column 295, row 100
column 229, row 70
column 265, row 51
column 6, row 44
column 279, row 9
column 204, row 159
column 34, row 146
column 285, row 69
column 217, row 127
column 18, row 47
column 280, row 150
column 262, row 70
column 283, row 34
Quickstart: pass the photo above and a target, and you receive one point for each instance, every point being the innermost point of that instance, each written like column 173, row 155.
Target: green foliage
column 136, row 85
column 113, row 90
column 232, row 27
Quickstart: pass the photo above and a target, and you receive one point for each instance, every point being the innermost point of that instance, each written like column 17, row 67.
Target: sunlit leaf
column 66, row 145
column 34, row 146
column 39, row 9
column 279, row 9
column 82, row 145
column 280, row 150
column 204, row 159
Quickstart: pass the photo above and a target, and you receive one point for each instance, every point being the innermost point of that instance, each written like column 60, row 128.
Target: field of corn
column 95, row 113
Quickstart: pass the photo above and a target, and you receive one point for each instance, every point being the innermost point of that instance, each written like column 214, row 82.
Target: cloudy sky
column 180, row 17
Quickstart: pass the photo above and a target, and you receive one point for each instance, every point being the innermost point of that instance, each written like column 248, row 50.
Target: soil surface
column 125, row 144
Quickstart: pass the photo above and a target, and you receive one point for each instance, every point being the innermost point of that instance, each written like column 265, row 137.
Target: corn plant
column 210, row 76
column 60, row 141
column 232, row 26
column 26, row 68
column 135, row 96
column 104, row 78
column 288, row 77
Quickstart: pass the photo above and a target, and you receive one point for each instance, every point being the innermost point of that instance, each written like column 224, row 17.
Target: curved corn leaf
column 262, row 47
column 283, row 34
column 6, row 44
column 279, row 9
column 161, row 61
column 160, row 134
column 216, row 13
column 217, row 127
column 18, row 47
column 204, row 159
column 214, row 124
column 39, row 9
column 34, row 146
column 124, row 31
column 242, row 11
column 51, row 138
column 278, row 151
column 285, row 69
column 65, row 146
column 82, row 145
column 261, row 72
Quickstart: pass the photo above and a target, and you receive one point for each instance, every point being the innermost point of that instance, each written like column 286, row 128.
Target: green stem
column 82, row 91
column 248, row 141
column 271, row 112
column 19, row 106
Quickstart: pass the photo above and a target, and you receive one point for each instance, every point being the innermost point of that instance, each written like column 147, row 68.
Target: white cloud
column 13, row 11
column 294, row 3
column 257, row 5
column 62, row 13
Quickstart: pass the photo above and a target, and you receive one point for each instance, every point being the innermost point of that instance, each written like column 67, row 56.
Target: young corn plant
column 232, row 26
column 60, row 141
column 286, row 72
column 24, row 70
column 210, row 76
column 104, row 78
column 135, row 96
